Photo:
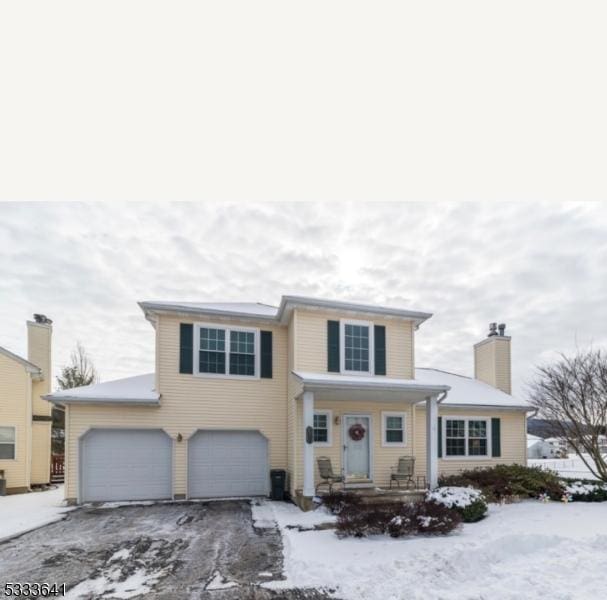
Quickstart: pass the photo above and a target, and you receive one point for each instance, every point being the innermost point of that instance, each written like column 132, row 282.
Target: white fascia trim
column 286, row 301
column 29, row 366
column 150, row 308
column 320, row 384
column 114, row 401
column 490, row 407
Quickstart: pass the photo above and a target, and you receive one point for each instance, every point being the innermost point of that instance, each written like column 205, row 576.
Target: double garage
column 137, row 464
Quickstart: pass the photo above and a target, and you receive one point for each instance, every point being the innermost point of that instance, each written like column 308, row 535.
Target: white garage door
column 228, row 463
column 125, row 464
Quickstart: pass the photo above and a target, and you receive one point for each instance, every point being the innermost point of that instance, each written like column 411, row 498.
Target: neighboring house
column 240, row 389
column 539, row 448
column 25, row 418
column 561, row 446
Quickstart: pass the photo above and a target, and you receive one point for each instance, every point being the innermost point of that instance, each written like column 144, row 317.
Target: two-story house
column 25, row 418
column 240, row 389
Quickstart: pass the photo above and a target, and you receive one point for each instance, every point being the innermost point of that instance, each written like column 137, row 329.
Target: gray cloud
column 540, row 268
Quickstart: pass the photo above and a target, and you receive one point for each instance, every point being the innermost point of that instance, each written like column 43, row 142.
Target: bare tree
column 81, row 371
column 572, row 395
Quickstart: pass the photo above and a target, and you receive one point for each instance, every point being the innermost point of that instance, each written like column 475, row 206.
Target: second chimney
column 492, row 362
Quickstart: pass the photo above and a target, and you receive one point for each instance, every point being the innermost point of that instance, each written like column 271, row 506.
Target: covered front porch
column 363, row 426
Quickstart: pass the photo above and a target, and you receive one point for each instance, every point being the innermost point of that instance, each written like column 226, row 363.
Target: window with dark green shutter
column 186, row 347
column 266, row 354
column 333, row 346
column 380, row 349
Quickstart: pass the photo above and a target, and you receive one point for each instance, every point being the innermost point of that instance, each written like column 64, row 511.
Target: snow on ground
column 525, row 550
column 111, row 584
column 20, row 513
column 566, row 467
column 218, row 582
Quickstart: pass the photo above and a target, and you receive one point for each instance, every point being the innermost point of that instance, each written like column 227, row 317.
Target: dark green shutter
column 440, row 437
column 186, row 347
column 380, row 349
column 266, row 354
column 333, row 346
column 496, row 441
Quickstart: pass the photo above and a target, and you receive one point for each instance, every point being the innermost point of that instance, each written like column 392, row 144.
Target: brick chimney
column 492, row 359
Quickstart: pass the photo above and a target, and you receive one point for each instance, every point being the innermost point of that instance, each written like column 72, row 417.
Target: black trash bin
column 278, row 478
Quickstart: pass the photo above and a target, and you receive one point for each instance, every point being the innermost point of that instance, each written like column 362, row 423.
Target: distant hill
column 543, row 428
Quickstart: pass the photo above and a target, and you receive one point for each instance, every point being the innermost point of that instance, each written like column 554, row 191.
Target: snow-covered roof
column 466, row 391
column 130, row 390
column 461, row 390
column 532, row 440
column 370, row 382
column 257, row 310
column 30, row 367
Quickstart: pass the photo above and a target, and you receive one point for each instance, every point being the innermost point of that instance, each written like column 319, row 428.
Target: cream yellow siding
column 15, row 411
column 492, row 362
column 311, row 342
column 41, row 452
column 382, row 458
column 190, row 402
column 513, row 437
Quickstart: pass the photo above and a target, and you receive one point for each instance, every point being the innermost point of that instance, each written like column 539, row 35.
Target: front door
column 356, row 437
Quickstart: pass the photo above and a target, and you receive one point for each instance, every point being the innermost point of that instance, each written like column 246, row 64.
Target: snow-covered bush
column 335, row 502
column 397, row 519
column 506, row 482
column 469, row 502
column 586, row 491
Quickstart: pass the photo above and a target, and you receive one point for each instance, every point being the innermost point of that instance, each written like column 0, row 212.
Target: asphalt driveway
column 181, row 550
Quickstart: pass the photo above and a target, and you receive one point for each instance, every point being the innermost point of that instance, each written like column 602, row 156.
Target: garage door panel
column 132, row 464
column 227, row 463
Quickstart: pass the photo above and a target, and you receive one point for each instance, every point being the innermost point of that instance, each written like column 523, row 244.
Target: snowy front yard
column 23, row 512
column 524, row 550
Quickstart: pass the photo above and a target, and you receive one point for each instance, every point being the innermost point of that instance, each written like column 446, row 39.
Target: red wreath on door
column 357, row 432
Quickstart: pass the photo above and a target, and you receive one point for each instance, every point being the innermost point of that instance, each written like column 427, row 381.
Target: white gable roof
column 130, row 390
column 466, row 391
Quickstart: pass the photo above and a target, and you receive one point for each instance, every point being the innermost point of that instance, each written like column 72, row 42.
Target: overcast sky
column 542, row 269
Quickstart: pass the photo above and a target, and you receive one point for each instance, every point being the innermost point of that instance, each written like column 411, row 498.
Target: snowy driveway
column 181, row 550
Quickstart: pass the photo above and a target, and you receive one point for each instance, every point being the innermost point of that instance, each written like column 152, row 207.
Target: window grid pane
column 456, row 428
column 242, row 353
column 456, row 447
column 356, row 344
column 477, row 429
column 321, row 428
column 212, row 339
column 212, row 362
column 394, row 422
column 477, row 447
column 394, row 436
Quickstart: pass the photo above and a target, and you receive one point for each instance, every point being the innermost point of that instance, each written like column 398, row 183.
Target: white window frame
column 466, row 437
column 329, row 415
column 384, row 422
column 14, row 443
column 227, row 329
column 342, row 346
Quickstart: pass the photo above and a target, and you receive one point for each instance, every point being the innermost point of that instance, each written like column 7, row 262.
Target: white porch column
column 432, row 441
column 308, row 448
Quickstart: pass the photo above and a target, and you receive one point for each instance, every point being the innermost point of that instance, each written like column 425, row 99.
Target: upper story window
column 227, row 351
column 466, row 437
column 7, row 443
column 357, row 347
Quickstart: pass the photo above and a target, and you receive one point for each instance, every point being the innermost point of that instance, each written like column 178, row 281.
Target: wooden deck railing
column 57, row 467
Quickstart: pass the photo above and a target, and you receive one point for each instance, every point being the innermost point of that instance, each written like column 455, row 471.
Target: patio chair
column 403, row 472
column 329, row 478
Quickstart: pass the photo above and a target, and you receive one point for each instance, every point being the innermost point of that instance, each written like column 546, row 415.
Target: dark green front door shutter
column 380, row 349
column 333, row 346
column 186, row 347
column 496, row 434
column 440, row 437
column 266, row 354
